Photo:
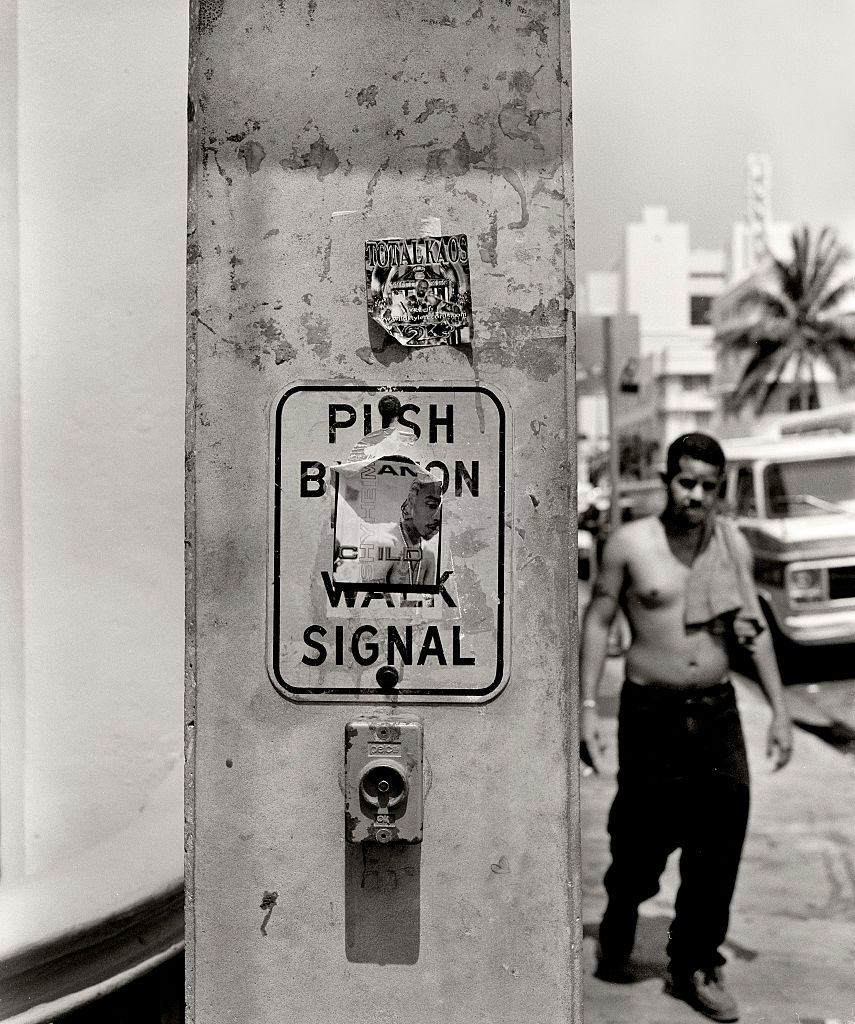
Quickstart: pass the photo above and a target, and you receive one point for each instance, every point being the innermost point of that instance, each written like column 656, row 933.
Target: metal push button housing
column 383, row 791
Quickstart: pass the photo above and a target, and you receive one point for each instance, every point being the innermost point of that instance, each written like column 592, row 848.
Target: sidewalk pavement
column 791, row 944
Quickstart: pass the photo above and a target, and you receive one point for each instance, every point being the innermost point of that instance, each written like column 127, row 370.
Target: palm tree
column 791, row 320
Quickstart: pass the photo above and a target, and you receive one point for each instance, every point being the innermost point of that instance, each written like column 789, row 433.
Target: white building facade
column 668, row 288
column 675, row 294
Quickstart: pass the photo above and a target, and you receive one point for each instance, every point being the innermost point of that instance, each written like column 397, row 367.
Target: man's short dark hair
column 693, row 446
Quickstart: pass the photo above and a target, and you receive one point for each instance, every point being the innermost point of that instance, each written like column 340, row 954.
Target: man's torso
column 663, row 650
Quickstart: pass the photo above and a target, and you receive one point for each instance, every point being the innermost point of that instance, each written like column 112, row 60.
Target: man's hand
column 591, row 745
column 779, row 743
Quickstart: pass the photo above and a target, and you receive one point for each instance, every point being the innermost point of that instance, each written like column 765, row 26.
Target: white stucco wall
column 102, row 174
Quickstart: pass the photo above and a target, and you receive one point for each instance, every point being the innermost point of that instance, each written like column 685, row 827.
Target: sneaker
column 705, row 992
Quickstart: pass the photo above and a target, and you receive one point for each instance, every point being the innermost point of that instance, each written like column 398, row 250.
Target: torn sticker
column 388, row 520
column 387, row 525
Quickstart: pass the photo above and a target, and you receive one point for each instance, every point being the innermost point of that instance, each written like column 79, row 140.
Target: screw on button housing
column 387, row 677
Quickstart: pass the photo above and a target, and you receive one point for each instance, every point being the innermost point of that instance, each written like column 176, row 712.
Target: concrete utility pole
column 382, row 788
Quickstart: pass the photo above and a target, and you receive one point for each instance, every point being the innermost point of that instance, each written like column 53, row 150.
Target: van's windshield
column 813, row 487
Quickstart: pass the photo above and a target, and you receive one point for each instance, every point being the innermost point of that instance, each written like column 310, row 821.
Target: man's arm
column 599, row 616
column 779, row 742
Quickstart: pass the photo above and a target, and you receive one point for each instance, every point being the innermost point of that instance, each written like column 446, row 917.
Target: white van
column 794, row 499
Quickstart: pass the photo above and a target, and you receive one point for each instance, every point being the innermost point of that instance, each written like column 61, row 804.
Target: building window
column 701, row 308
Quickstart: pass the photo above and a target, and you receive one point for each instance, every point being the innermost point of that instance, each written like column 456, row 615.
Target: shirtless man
column 682, row 770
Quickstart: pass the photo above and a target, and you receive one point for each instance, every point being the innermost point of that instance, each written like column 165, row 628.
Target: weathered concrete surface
column 315, row 128
column 791, row 943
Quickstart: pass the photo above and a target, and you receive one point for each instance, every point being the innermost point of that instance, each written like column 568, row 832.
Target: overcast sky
column 671, row 95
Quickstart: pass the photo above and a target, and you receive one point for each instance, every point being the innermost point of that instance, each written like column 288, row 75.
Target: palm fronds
column 792, row 321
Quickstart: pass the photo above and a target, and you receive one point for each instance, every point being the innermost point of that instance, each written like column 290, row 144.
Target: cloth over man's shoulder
column 721, row 582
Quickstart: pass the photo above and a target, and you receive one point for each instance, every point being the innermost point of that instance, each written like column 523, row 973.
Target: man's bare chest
column 656, row 580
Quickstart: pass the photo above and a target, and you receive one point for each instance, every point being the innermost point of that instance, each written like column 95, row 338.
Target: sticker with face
column 422, row 509
column 388, row 519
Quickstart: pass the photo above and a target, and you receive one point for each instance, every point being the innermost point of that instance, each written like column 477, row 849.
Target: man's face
column 427, row 511
column 693, row 490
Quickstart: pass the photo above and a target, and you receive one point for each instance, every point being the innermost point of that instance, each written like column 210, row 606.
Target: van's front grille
column 841, row 582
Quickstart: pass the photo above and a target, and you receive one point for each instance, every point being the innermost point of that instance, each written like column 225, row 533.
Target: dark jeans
column 682, row 784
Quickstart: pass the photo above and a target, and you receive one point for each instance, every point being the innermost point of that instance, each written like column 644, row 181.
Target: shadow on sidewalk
column 649, row 959
column 807, row 714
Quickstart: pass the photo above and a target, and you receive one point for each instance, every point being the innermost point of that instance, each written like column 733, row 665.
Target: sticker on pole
column 389, row 544
column 418, row 289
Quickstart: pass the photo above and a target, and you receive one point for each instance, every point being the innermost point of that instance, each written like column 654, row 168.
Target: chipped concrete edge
column 190, row 525
column 571, row 713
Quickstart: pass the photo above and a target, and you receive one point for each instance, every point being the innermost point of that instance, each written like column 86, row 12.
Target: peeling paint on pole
column 315, row 128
